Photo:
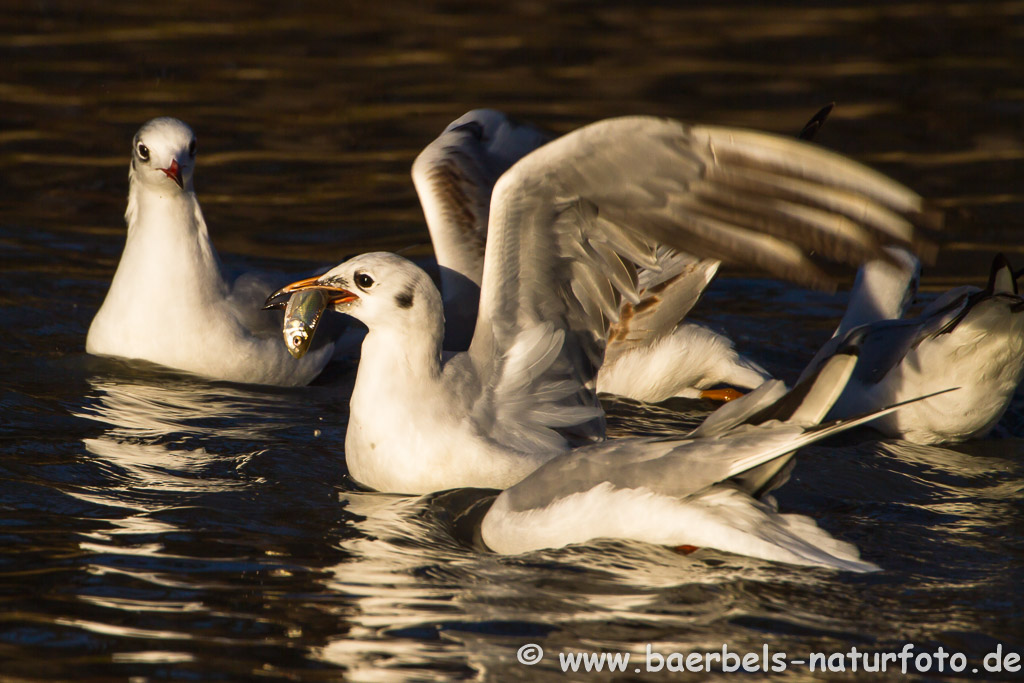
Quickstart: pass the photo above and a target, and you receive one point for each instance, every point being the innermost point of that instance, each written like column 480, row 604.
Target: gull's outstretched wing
column 454, row 176
column 569, row 223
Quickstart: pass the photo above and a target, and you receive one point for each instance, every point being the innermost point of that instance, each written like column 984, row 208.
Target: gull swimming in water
column 651, row 354
column 169, row 301
column 708, row 488
column 567, row 224
column 968, row 337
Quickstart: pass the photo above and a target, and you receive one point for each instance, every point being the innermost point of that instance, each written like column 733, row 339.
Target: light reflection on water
column 157, row 525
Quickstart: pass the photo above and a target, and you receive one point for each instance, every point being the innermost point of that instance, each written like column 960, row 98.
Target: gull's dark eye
column 363, row 281
column 143, row 152
column 192, row 148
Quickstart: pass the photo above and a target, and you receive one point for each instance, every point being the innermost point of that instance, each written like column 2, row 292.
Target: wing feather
column 666, row 295
column 454, row 176
column 632, row 186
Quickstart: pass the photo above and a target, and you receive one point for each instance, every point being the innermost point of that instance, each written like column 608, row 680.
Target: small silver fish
column 301, row 316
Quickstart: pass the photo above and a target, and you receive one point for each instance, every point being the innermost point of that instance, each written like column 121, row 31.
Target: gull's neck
column 168, row 282
column 402, row 355
column 168, row 248
column 399, row 406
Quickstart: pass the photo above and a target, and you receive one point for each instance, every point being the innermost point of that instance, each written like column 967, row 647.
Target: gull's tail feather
column 803, row 536
column 809, row 401
column 759, row 530
column 805, row 404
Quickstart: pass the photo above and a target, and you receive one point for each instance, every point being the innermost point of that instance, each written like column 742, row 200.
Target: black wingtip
column 474, row 128
column 812, row 127
column 1001, row 277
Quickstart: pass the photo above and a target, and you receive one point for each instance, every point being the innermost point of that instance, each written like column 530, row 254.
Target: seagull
column 968, row 337
column 707, row 489
column 567, row 225
column 652, row 354
column 169, row 301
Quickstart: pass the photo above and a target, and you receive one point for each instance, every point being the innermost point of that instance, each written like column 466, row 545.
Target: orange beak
column 174, row 173
column 335, row 295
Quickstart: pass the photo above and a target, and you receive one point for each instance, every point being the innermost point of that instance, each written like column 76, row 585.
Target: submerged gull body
column 969, row 337
column 568, row 224
column 169, row 301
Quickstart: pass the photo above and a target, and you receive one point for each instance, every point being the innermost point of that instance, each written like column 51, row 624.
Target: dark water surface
column 158, row 526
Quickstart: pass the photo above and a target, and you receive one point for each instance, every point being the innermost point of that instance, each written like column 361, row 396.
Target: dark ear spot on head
column 405, row 299
column 474, row 128
column 338, row 281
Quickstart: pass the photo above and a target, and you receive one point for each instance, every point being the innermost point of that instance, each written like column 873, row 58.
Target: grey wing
column 884, row 344
column 570, row 222
column 454, row 177
column 671, row 467
column 751, row 457
column 248, row 294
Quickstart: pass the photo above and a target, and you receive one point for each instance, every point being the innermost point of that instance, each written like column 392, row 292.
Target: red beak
column 174, row 173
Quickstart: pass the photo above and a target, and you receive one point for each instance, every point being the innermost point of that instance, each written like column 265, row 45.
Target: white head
column 164, row 155
column 381, row 289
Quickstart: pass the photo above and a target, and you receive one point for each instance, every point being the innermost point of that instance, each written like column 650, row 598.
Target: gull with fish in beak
column 568, row 225
column 419, row 424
